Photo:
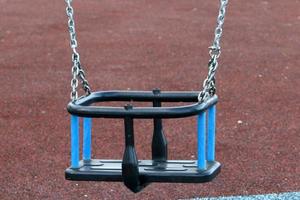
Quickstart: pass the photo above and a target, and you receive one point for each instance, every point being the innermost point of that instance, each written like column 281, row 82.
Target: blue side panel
column 87, row 138
column 211, row 138
column 74, row 141
column 201, row 141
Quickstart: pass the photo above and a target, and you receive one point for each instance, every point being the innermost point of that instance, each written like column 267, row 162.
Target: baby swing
column 136, row 174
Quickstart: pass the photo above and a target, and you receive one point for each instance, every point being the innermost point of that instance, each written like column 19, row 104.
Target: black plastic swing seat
column 173, row 171
column 136, row 174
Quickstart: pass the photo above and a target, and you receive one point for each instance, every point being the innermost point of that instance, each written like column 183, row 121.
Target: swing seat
column 172, row 171
column 136, row 174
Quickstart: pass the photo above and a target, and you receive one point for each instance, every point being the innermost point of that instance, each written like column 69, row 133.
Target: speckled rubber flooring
column 140, row 45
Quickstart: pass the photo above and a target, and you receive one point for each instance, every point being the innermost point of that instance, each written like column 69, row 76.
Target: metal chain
column 77, row 71
column 209, row 86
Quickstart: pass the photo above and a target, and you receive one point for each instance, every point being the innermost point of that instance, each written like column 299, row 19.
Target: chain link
column 209, row 84
column 77, row 71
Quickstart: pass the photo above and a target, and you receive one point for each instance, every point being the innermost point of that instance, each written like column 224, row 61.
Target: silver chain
column 77, row 71
column 209, row 87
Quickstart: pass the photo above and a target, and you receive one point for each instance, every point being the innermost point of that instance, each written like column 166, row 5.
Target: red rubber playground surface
column 141, row 45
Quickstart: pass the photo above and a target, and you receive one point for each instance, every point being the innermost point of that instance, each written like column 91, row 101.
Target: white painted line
column 281, row 196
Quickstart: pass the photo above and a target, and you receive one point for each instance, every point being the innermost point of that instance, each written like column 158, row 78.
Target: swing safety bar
column 83, row 106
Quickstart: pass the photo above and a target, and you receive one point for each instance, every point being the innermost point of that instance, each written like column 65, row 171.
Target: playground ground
column 141, row 45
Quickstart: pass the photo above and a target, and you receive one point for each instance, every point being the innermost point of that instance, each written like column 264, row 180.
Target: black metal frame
column 137, row 174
